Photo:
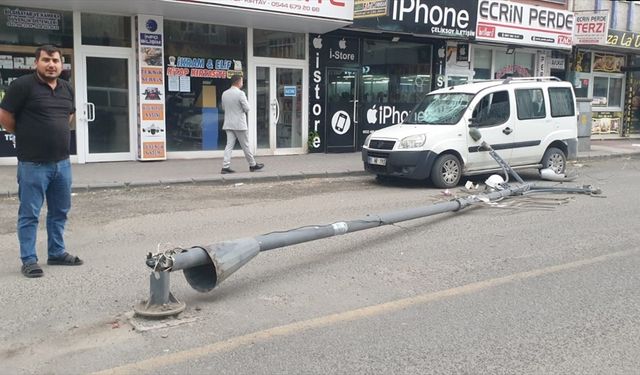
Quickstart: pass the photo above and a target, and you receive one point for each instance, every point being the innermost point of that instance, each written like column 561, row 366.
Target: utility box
column 584, row 124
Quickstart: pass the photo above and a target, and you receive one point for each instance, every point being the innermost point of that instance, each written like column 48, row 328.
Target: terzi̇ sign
column 511, row 22
column 591, row 28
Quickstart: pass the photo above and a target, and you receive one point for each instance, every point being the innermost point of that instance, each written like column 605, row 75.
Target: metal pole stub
column 161, row 302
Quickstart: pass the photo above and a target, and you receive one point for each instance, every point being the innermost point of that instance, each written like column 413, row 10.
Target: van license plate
column 377, row 161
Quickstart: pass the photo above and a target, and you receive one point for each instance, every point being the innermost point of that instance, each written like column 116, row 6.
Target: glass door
column 108, row 99
column 279, row 103
column 342, row 109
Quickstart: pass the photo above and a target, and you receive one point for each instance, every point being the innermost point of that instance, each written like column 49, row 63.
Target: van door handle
column 507, row 130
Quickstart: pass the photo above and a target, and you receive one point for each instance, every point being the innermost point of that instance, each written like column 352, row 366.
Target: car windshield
column 439, row 109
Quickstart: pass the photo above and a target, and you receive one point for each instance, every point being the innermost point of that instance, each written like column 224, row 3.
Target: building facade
column 148, row 74
column 372, row 73
column 320, row 75
column 606, row 69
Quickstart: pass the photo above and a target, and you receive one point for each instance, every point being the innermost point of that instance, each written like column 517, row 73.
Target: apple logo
column 372, row 115
column 317, row 42
column 342, row 43
column 463, row 51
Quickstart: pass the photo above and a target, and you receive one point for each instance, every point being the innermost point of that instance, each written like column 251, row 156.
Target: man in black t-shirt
column 38, row 108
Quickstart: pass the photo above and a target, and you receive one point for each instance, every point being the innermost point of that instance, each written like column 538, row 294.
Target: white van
column 530, row 122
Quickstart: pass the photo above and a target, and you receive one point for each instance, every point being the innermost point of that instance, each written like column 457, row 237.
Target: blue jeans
column 35, row 182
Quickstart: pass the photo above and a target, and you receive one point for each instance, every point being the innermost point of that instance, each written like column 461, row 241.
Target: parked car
column 530, row 122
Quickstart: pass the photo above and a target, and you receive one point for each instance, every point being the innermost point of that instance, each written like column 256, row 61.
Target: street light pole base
column 149, row 310
column 161, row 303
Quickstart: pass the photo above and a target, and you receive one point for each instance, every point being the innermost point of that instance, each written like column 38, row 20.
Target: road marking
column 150, row 364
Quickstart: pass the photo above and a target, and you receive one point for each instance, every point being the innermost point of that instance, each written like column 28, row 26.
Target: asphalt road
column 535, row 285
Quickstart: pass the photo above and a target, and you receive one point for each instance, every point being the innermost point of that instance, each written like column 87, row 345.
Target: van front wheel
column 446, row 171
column 554, row 159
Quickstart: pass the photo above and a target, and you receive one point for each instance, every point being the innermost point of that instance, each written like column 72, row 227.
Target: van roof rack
column 531, row 79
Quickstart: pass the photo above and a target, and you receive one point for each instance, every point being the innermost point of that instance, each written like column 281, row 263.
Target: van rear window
column 561, row 100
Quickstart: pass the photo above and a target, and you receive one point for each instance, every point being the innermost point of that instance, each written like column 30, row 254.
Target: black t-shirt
column 42, row 118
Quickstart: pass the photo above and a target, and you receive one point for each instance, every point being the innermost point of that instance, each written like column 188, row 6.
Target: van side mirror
column 475, row 134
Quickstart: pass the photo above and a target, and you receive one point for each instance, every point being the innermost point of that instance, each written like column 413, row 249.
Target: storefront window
column 279, row 44
column 35, row 27
column 516, row 64
column 199, row 61
column 607, row 92
column 106, row 30
column 21, row 31
column 482, row 63
column 397, row 72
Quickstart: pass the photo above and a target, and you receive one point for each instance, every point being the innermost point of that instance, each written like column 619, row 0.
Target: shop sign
column 316, row 95
column 290, row 91
column 32, row 19
column 624, row 39
column 515, row 23
column 181, row 68
column 451, row 18
column 462, row 52
column 557, row 63
column 335, row 9
column 147, row 39
column 541, row 66
column 340, row 50
column 151, row 76
column 369, row 8
column 151, row 132
column 606, row 122
column 591, row 28
column 513, row 69
column 606, row 63
column 328, row 51
column 379, row 116
column 153, row 150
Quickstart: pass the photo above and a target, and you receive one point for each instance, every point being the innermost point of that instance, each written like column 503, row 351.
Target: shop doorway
column 107, row 101
column 342, row 109
column 280, row 100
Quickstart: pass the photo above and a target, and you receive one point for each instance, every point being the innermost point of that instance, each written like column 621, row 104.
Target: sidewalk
column 133, row 173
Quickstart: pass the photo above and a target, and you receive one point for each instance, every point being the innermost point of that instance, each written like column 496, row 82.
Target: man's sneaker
column 256, row 167
column 227, row 170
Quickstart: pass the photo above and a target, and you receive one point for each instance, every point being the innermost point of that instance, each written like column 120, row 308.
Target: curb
column 608, row 156
column 212, row 181
column 253, row 178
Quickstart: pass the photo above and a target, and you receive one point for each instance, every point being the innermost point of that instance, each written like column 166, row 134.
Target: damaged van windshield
column 439, row 109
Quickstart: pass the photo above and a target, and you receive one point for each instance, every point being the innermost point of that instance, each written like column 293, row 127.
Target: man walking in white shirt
column 236, row 106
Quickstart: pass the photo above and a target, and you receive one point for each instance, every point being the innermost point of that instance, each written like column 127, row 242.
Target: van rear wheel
column 446, row 171
column 554, row 159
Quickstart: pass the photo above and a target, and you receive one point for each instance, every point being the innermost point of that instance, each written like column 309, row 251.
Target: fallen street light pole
column 205, row 267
